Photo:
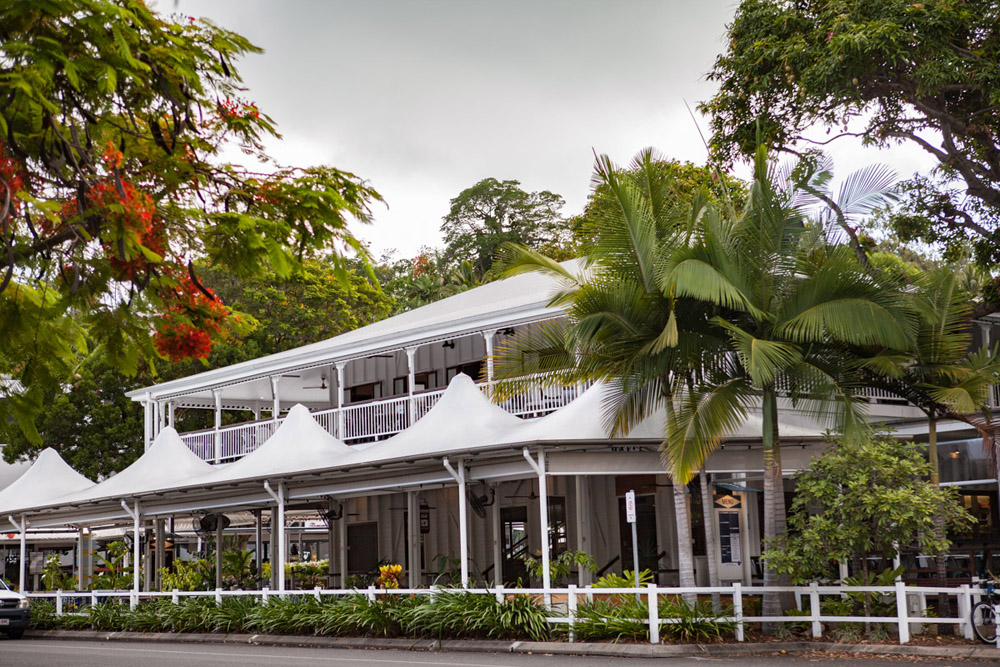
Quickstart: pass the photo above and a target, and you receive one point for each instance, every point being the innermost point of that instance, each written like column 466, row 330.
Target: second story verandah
column 373, row 382
column 365, row 384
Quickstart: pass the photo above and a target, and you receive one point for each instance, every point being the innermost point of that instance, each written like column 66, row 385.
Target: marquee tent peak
column 167, row 463
column 461, row 415
column 299, row 444
column 48, row 478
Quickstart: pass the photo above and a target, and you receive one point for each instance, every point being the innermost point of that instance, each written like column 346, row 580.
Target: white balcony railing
column 363, row 422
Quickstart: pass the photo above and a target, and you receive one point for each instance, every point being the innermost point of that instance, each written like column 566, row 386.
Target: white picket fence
column 564, row 602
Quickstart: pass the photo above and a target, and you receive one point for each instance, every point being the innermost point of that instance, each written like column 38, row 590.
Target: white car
column 14, row 612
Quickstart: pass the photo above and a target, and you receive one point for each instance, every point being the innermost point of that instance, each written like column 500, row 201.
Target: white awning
column 48, row 478
column 167, row 464
column 462, row 417
column 299, row 444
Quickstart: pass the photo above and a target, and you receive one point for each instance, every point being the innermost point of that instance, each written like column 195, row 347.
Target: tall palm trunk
column 709, row 517
column 774, row 504
column 685, row 551
column 941, row 560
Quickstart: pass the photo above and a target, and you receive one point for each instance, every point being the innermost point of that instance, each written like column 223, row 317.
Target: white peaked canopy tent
column 48, row 478
column 299, row 444
column 167, row 464
column 462, row 414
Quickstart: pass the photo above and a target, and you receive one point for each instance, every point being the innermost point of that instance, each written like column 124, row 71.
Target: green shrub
column 693, row 622
column 43, row 615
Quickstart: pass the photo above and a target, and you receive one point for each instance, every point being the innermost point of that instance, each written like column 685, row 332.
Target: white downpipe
column 147, row 421
column 411, row 376
column 279, row 498
column 136, row 552
column 463, row 530
column 543, row 511
column 22, row 528
column 217, row 435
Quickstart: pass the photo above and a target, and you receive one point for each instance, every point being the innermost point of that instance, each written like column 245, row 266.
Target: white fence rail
column 564, row 603
column 362, row 422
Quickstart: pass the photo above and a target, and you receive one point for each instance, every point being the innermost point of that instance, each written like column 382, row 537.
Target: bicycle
column 984, row 619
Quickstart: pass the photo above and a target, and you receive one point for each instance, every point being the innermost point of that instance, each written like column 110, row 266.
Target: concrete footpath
column 552, row 648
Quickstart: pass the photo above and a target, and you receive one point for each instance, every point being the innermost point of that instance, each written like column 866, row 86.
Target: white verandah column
column 22, row 529
column 340, row 401
column 543, row 511
column 463, row 523
column 279, row 562
column 276, row 398
column 411, row 410
column 147, row 421
column 217, row 434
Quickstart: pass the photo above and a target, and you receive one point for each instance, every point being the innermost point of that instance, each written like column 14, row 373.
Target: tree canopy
column 917, row 72
column 491, row 213
column 99, row 430
column 113, row 124
column 859, row 500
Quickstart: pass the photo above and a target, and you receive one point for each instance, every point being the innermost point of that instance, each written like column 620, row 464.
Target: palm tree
column 620, row 327
column 793, row 309
column 939, row 373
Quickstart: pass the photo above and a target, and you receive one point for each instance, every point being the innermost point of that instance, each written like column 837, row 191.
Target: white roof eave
column 284, row 361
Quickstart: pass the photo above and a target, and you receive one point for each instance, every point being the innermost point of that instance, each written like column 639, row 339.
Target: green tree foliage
column 424, row 279
column 113, row 124
column 98, row 430
column 681, row 182
column 491, row 213
column 865, row 499
column 917, row 72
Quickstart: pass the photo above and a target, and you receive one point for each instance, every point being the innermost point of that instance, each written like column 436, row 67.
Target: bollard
column 265, row 594
column 738, row 609
column 175, row 596
column 316, row 594
column 901, row 614
column 500, row 594
column 817, row 627
column 654, row 616
column 571, row 606
column 218, row 596
column 59, row 603
column 371, row 593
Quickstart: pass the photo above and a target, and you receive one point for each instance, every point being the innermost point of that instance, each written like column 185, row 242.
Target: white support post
column 463, row 524
column 22, row 528
column 738, row 609
column 343, row 548
column 341, row 425
column 276, row 399
column 901, row 615
column 497, row 542
column 411, row 412
column 571, row 609
column 965, row 610
column 171, row 417
column 654, row 615
column 278, row 558
column 413, row 539
column 583, row 516
column 543, row 511
column 217, row 434
column 59, row 602
column 135, row 514
column 147, row 421
column 817, row 627
column 488, row 337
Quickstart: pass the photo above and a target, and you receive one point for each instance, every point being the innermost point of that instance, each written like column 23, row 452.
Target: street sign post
column 630, row 516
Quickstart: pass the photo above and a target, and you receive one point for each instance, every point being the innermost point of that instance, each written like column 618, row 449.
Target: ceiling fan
column 319, row 386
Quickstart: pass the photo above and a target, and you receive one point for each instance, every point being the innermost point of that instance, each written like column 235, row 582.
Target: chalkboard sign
column 729, row 538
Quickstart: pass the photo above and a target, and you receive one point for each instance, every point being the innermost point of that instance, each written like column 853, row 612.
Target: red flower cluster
column 421, row 265
column 179, row 340
column 11, row 177
column 233, row 109
column 185, row 331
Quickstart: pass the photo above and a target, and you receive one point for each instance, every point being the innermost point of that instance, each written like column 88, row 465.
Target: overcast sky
column 425, row 98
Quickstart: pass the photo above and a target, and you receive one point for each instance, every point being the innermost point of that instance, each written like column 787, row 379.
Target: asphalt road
column 58, row 653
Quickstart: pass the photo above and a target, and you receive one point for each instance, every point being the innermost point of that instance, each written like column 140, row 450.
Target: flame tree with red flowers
column 113, row 121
